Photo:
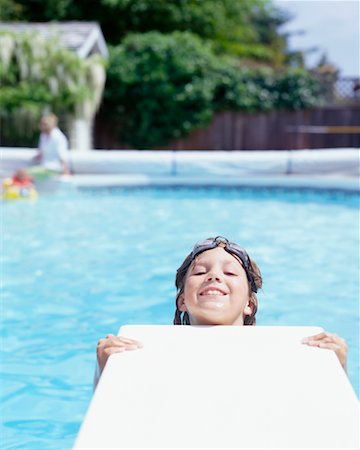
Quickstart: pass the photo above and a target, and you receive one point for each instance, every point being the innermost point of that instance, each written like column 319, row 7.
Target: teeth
column 212, row 292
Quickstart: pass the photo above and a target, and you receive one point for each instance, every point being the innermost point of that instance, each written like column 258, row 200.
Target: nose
column 213, row 276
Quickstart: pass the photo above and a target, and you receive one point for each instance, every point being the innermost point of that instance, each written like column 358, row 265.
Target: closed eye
column 231, row 274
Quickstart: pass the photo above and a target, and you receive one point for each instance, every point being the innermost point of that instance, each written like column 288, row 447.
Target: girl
column 216, row 285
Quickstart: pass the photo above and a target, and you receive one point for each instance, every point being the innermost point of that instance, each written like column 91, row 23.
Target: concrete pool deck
column 318, row 169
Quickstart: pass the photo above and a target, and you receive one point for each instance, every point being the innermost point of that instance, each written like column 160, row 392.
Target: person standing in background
column 53, row 150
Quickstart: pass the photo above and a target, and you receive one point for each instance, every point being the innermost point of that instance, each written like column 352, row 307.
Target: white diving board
column 222, row 388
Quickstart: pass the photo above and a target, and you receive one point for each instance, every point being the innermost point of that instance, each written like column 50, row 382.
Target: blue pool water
column 76, row 268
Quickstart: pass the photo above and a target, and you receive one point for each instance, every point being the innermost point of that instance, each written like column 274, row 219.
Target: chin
column 212, row 319
column 209, row 320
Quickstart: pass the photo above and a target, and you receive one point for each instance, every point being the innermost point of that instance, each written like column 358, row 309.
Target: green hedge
column 249, row 90
column 161, row 87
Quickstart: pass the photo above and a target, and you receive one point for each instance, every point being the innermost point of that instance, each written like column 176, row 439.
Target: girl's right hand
column 113, row 344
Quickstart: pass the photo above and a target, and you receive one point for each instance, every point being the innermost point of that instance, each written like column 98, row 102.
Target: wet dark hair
column 183, row 318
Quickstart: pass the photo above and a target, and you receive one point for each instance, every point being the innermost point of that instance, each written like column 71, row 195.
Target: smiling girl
column 216, row 285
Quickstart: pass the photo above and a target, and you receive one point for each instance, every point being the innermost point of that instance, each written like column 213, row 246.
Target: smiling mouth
column 213, row 292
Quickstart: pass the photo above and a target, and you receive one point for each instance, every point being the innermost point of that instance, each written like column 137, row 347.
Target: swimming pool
column 76, row 268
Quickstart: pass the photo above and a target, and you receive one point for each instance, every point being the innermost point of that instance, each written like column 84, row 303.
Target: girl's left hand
column 331, row 342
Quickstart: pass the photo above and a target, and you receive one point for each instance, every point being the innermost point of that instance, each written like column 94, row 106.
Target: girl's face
column 216, row 290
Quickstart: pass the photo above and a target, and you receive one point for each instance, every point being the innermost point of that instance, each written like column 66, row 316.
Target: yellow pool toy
column 11, row 191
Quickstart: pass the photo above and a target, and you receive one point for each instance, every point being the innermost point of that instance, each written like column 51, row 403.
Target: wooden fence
column 328, row 127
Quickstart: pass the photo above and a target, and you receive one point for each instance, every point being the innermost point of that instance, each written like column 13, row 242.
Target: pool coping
column 321, row 169
column 328, row 182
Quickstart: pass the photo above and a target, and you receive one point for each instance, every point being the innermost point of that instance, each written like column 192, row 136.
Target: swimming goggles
column 230, row 247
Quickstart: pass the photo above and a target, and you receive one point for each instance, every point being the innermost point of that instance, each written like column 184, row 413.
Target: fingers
column 320, row 339
column 329, row 341
column 122, row 339
column 110, row 350
column 118, row 342
column 316, row 337
column 113, row 344
column 130, row 341
column 323, row 337
column 329, row 346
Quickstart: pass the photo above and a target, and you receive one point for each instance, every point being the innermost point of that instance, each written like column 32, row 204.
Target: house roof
column 84, row 38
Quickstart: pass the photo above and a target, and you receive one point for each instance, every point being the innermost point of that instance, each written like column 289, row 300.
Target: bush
column 244, row 89
column 161, row 87
column 298, row 89
column 265, row 89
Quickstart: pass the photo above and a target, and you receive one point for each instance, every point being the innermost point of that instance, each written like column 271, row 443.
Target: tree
column 245, row 28
column 174, row 63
